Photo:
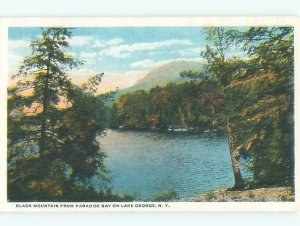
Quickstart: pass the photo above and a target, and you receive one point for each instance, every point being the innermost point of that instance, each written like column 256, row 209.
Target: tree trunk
column 238, row 179
column 45, row 111
column 44, row 124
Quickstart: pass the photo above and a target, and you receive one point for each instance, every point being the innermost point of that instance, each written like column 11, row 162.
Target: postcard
column 161, row 114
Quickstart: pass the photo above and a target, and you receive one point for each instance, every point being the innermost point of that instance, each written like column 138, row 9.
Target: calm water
column 150, row 162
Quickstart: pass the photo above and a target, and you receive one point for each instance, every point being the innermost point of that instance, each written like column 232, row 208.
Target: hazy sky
column 124, row 54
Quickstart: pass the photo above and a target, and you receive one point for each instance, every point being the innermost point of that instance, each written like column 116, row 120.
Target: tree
column 258, row 98
column 221, row 70
column 131, row 110
column 190, row 104
column 48, row 80
column 267, row 113
column 52, row 151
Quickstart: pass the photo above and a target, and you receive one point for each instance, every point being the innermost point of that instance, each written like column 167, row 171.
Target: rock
column 275, row 194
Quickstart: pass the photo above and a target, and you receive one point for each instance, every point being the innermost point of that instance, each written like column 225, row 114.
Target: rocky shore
column 276, row 194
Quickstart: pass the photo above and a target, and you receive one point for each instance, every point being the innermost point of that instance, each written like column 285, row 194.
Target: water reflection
column 150, row 162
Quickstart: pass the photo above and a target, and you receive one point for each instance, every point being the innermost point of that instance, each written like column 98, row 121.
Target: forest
column 249, row 97
column 53, row 123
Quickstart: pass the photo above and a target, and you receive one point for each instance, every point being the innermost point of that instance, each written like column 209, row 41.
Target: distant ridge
column 162, row 75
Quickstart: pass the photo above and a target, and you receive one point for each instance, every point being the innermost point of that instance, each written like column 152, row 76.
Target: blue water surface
column 146, row 162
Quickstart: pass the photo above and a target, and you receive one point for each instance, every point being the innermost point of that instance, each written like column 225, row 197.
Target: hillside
column 162, row 75
column 166, row 73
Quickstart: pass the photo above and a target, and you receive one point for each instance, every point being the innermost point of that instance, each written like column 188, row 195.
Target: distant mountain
column 169, row 72
column 162, row 75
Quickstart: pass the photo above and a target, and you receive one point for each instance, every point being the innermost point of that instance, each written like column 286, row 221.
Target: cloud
column 113, row 79
column 121, row 51
column 147, row 63
column 82, row 74
column 189, row 51
column 104, row 43
column 80, row 40
column 115, row 41
column 18, row 44
column 110, row 80
column 17, row 49
column 94, row 41
column 14, row 61
column 87, row 55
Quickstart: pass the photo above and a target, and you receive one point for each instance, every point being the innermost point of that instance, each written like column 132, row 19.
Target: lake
column 146, row 162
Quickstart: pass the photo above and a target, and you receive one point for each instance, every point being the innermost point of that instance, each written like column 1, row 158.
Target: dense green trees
column 257, row 88
column 222, row 69
column 249, row 95
column 52, row 126
column 53, row 154
column 267, row 114
column 189, row 105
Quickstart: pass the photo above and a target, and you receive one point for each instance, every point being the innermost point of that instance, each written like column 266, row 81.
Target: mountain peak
column 168, row 72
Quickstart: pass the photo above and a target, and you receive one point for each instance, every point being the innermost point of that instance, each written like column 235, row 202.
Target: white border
column 146, row 21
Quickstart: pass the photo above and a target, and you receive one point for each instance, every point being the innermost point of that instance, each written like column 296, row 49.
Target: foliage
column 258, row 93
column 267, row 114
column 53, row 154
column 166, row 196
column 188, row 105
column 249, row 94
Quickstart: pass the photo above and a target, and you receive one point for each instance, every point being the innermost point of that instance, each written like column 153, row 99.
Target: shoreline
column 272, row 194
